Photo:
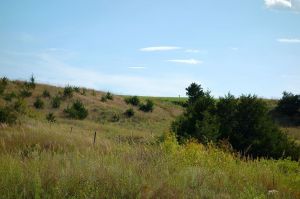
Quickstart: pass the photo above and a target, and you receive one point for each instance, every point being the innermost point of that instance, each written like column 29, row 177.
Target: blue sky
column 154, row 47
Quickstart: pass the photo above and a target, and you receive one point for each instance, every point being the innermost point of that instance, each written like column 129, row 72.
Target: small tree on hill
column 77, row 111
column 135, row 101
column 39, row 103
column 148, row 106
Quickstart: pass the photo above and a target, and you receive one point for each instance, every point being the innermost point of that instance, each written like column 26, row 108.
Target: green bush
column 289, row 104
column 76, row 89
column 25, row 92
column 77, row 110
column 245, row 122
column 8, row 115
column 50, row 118
column 3, row 84
column 135, row 101
column 103, row 99
column 129, row 112
column 84, row 90
column 55, row 102
column 109, row 96
column 39, row 103
column 46, row 93
column 10, row 96
column 68, row 91
column 148, row 106
column 20, row 106
column 115, row 117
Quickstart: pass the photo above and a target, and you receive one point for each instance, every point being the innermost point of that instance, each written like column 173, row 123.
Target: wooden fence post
column 95, row 137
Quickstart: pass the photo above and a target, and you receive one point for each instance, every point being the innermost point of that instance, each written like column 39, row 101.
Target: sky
column 154, row 47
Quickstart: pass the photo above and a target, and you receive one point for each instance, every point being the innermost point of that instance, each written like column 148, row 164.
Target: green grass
column 132, row 158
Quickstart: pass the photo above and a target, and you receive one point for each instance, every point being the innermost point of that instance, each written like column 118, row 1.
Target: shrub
column 39, row 104
column 109, row 96
column 76, row 89
column 10, row 96
column 243, row 121
column 46, row 93
column 56, row 102
column 77, row 111
column 20, row 106
column 93, row 93
column 3, row 84
column 68, row 91
column 50, row 118
column 103, row 99
column 289, row 104
column 129, row 112
column 148, row 107
column 135, row 101
column 25, row 92
column 115, row 117
column 8, row 115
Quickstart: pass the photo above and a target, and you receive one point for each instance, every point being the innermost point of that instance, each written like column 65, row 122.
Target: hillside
column 132, row 157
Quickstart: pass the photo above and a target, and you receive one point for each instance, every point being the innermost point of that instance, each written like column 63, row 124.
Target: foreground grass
column 39, row 161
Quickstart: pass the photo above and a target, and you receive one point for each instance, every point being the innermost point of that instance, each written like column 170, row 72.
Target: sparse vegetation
column 109, row 96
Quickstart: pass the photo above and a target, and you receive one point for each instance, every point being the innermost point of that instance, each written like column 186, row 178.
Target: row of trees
column 244, row 122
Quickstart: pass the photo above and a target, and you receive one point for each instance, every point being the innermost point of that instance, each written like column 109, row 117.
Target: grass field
column 132, row 158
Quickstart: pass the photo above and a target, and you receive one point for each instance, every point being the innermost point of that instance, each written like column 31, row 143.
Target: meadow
column 136, row 157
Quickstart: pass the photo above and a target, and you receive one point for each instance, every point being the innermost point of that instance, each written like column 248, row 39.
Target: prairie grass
column 130, row 159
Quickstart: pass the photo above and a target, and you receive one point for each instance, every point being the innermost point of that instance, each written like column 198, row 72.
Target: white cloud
column 278, row 3
column 186, row 61
column 192, row 51
column 289, row 40
column 159, row 48
column 136, row 67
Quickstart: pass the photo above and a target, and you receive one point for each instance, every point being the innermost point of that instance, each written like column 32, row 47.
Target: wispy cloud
column 186, row 61
column 234, row 48
column 289, row 40
column 278, row 3
column 192, row 51
column 136, row 67
column 159, row 48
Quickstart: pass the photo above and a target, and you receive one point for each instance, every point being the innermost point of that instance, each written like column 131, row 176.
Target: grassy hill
column 132, row 157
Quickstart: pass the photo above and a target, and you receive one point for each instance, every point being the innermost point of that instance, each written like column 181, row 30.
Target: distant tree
column 148, row 106
column 109, row 96
column 46, row 93
column 245, row 122
column 77, row 111
column 194, row 91
column 129, row 112
column 289, row 104
column 8, row 115
column 68, row 91
column 3, row 84
column 55, row 102
column 39, row 103
column 135, row 101
column 50, row 118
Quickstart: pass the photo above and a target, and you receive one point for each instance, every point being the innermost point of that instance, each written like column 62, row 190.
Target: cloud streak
column 186, row 61
column 159, row 48
column 289, row 40
column 278, row 3
column 136, row 67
